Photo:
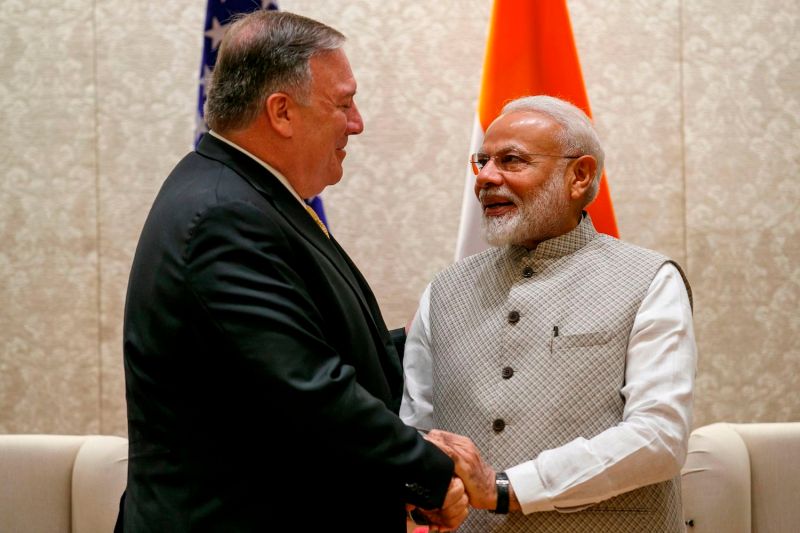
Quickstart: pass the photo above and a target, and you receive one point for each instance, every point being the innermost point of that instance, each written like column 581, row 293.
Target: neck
column 272, row 150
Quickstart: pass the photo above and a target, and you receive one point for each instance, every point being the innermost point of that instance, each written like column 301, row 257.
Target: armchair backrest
column 61, row 483
column 743, row 478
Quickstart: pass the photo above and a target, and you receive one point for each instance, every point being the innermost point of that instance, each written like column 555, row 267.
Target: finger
column 445, row 436
column 452, row 438
column 455, row 492
column 450, row 519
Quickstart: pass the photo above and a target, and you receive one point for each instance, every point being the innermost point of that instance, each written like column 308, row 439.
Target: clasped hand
column 477, row 475
column 473, row 484
column 453, row 511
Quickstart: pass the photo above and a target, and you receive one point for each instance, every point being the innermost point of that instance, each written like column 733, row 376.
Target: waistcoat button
column 513, row 317
column 498, row 425
column 508, row 372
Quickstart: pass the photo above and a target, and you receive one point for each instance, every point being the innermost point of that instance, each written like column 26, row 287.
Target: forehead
column 331, row 73
column 524, row 130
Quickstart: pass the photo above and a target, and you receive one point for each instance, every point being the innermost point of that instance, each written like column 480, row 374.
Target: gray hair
column 262, row 53
column 577, row 136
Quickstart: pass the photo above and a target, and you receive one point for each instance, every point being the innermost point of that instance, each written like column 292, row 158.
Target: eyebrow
column 508, row 148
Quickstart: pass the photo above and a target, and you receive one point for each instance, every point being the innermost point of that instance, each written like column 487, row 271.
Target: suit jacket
column 262, row 384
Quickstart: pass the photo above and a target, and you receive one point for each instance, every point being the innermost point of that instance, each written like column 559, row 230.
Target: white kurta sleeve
column 417, row 407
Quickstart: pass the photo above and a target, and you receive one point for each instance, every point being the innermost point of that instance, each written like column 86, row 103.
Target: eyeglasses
column 510, row 161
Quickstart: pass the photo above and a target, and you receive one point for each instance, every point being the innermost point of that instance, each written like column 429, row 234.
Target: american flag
column 218, row 15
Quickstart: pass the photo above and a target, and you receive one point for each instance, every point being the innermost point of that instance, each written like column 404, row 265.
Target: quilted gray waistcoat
column 502, row 378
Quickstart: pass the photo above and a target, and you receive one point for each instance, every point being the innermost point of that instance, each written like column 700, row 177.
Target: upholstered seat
column 742, row 478
column 61, row 483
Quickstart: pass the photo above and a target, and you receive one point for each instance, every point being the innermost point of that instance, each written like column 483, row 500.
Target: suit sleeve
column 245, row 277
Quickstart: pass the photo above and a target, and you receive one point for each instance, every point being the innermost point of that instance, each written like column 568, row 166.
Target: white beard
column 536, row 217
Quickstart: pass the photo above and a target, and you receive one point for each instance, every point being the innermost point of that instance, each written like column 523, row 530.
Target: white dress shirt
column 648, row 446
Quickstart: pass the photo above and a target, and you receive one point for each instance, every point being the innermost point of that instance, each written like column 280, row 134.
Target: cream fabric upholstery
column 743, row 478
column 61, row 483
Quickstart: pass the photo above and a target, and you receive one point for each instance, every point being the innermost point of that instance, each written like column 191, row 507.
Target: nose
column 488, row 176
column 355, row 124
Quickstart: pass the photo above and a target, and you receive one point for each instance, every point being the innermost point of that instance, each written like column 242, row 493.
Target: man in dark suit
column 262, row 384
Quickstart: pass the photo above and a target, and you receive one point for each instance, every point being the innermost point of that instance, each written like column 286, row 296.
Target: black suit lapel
column 294, row 213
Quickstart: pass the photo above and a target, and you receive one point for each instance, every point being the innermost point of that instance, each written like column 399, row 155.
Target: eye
column 511, row 159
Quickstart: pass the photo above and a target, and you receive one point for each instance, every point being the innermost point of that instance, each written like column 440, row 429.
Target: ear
column 279, row 112
column 581, row 176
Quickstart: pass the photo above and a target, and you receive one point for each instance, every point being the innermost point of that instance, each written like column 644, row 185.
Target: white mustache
column 502, row 191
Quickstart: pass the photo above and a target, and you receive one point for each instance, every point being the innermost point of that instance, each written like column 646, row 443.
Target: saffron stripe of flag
column 530, row 50
column 218, row 16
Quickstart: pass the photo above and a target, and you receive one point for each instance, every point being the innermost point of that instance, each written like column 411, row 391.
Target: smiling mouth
column 497, row 207
column 497, row 203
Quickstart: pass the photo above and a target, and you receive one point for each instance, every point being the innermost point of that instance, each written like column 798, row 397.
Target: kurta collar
column 559, row 246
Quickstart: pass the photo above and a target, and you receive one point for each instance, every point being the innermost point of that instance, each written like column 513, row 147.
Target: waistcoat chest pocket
column 577, row 340
column 590, row 366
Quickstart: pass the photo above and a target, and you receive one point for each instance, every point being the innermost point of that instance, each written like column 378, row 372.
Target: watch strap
column 501, row 482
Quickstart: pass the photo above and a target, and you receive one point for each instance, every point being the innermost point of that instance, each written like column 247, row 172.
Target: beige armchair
column 59, row 483
column 742, row 478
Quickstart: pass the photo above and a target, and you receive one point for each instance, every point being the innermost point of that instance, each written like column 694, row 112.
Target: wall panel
column 742, row 95
column 48, row 228
column 148, row 59
column 630, row 55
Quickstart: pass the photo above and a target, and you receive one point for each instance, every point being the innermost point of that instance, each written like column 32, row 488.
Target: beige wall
column 698, row 104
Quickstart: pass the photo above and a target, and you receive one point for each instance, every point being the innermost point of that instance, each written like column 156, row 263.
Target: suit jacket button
column 498, row 425
column 507, row 372
column 513, row 317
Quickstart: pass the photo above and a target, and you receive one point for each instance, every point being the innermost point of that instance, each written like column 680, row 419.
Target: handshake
column 474, row 484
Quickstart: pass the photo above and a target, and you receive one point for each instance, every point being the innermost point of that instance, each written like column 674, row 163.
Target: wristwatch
column 502, row 483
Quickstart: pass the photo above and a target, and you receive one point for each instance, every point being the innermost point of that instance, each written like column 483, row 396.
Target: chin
column 502, row 230
column 332, row 179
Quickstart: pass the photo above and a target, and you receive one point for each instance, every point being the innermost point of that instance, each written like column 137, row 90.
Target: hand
column 477, row 475
column 453, row 511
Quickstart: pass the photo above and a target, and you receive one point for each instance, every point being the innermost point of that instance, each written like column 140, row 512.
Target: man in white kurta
column 564, row 358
